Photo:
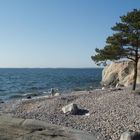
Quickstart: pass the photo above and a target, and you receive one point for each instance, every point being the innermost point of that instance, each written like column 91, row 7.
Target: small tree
column 124, row 43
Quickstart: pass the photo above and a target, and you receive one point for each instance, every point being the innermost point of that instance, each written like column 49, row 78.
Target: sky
column 56, row 33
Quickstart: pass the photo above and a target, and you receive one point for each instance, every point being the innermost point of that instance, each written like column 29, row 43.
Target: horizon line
column 48, row 67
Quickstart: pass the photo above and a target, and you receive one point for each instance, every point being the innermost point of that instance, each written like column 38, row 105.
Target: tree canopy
column 124, row 43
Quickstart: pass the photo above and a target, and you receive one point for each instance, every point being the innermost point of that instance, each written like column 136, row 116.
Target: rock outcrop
column 29, row 129
column 119, row 73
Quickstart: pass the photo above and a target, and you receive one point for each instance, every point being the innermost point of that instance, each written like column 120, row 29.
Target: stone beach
column 110, row 111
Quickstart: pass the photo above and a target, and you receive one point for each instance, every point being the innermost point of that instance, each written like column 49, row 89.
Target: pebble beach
column 110, row 111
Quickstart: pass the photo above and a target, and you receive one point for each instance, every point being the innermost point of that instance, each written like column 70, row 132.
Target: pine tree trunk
column 135, row 75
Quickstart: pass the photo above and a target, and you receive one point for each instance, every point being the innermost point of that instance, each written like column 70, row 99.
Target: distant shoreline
column 51, row 68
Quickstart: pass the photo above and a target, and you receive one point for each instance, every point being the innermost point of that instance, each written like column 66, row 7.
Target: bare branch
column 131, row 58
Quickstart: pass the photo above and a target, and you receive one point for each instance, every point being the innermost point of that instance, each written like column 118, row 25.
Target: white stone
column 103, row 88
column 70, row 108
column 87, row 114
column 57, row 94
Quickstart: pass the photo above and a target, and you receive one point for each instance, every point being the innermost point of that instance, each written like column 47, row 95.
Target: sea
column 19, row 83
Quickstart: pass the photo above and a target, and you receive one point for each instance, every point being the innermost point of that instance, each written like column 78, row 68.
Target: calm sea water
column 20, row 83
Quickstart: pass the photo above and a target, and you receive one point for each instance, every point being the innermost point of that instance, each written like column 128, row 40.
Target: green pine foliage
column 124, row 43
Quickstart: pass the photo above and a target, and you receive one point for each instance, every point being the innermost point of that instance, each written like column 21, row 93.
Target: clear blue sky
column 56, row 33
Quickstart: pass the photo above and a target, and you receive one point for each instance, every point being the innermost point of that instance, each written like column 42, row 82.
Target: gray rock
column 29, row 97
column 130, row 135
column 29, row 129
column 70, row 108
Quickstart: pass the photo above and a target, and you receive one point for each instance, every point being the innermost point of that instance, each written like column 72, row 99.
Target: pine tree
column 124, row 43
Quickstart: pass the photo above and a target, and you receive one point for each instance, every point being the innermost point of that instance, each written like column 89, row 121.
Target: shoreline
column 111, row 111
column 44, row 94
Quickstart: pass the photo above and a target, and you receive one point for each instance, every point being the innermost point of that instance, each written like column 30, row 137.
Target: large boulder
column 29, row 129
column 70, row 108
column 130, row 135
column 119, row 73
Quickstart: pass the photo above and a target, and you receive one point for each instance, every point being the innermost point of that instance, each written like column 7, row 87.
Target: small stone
column 87, row 114
column 103, row 88
column 57, row 94
column 1, row 101
column 29, row 97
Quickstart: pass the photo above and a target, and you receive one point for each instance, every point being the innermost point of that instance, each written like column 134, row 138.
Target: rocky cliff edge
column 119, row 73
